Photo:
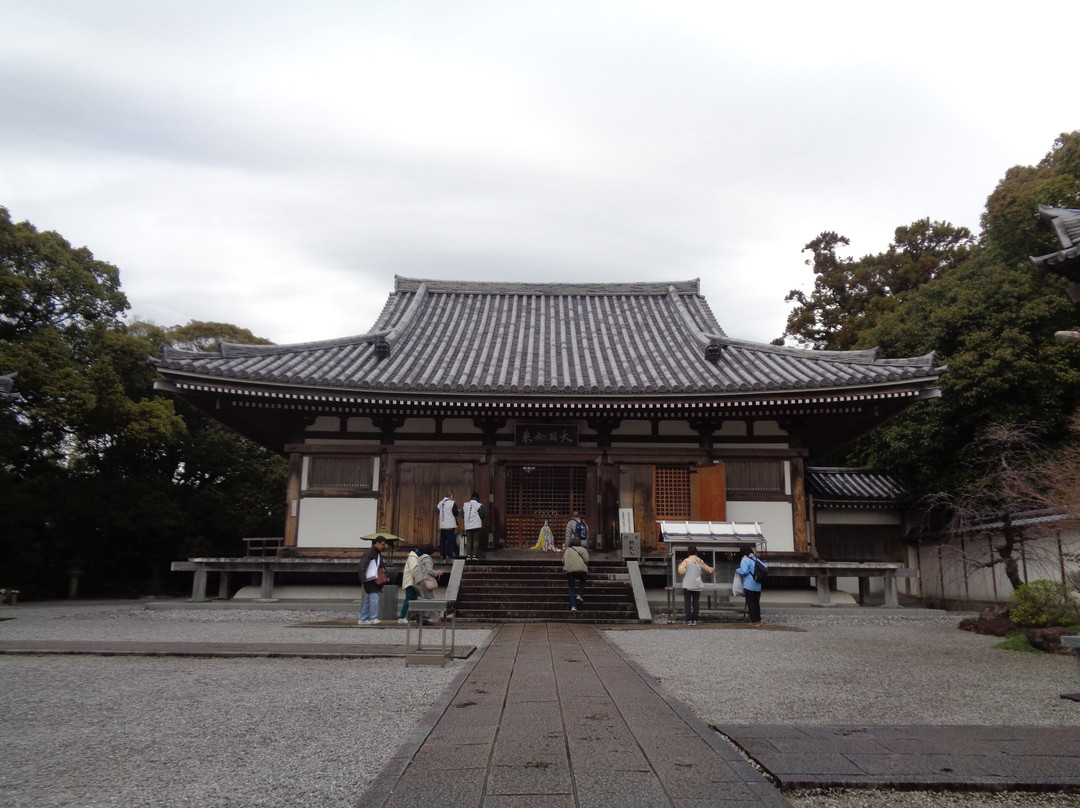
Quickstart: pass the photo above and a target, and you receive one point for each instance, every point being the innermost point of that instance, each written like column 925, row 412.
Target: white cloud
column 274, row 164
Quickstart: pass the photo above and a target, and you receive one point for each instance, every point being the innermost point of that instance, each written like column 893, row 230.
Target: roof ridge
column 232, row 350
column 686, row 287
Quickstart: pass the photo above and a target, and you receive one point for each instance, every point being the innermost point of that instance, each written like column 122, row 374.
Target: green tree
column 98, row 473
column 991, row 320
column 198, row 335
column 850, row 296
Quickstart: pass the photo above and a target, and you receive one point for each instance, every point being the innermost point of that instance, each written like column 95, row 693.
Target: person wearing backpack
column 576, row 567
column 578, row 529
column 752, row 570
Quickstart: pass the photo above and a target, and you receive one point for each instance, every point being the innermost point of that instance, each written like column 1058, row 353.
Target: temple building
column 625, row 402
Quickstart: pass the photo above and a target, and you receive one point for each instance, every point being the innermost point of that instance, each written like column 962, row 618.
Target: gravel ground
column 121, row 732
column 165, row 732
column 873, row 669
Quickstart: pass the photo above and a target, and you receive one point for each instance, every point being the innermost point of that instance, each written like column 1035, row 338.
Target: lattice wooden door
column 536, row 493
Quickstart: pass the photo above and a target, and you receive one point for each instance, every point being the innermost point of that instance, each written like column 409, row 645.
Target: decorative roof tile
column 1066, row 224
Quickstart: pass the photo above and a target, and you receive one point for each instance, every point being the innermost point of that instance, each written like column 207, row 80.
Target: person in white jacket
column 472, row 514
column 448, row 514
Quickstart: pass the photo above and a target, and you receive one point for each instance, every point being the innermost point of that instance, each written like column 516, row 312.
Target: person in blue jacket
column 752, row 588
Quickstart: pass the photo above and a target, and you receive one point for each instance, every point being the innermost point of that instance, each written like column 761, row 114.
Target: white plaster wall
column 775, row 518
column 336, row 521
column 951, row 571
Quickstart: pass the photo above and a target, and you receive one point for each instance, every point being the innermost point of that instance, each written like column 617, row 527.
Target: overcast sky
column 275, row 164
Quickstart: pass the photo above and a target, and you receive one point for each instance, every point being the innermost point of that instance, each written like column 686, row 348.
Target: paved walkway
column 552, row 716
column 916, row 757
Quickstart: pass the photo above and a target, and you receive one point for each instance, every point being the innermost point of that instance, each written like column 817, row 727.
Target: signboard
column 626, row 520
column 540, row 435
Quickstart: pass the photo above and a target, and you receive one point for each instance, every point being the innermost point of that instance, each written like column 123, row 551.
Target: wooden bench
column 823, row 571
column 266, row 566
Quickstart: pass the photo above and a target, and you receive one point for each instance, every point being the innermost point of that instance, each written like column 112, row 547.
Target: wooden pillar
column 609, row 510
column 388, row 480
column 497, row 520
column 798, row 509
column 292, row 499
column 482, row 482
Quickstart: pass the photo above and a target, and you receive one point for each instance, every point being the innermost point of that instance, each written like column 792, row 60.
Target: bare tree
column 1011, row 477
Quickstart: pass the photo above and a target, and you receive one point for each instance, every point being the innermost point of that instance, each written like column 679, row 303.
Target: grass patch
column 1017, row 641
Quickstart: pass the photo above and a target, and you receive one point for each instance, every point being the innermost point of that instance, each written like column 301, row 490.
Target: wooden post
column 292, row 499
column 798, row 505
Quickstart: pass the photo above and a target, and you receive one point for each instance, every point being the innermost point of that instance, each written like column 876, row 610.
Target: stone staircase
column 536, row 591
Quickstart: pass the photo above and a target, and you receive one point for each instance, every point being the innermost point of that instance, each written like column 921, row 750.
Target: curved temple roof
column 582, row 340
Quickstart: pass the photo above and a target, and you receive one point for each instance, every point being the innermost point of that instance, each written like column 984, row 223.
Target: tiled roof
column 450, row 337
column 852, row 485
column 1066, row 224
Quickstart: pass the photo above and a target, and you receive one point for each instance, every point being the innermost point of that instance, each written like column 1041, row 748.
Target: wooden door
column 419, row 487
column 708, row 494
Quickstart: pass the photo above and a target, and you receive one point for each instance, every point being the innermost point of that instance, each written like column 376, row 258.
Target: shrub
column 1043, row 603
column 1017, row 641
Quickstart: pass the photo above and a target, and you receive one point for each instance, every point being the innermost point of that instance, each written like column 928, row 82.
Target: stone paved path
column 552, row 716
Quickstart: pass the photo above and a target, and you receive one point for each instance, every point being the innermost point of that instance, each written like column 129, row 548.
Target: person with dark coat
column 370, row 565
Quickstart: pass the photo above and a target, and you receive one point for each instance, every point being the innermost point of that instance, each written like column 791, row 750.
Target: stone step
column 538, row 592
column 506, row 616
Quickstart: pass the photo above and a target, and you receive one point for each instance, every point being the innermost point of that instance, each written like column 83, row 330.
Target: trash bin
column 389, row 607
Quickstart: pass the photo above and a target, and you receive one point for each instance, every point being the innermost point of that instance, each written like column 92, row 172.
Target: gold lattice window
column 538, row 493
column 340, row 472
column 671, row 493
